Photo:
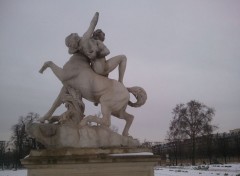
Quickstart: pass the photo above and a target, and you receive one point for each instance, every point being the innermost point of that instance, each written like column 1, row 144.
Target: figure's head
column 72, row 42
column 99, row 35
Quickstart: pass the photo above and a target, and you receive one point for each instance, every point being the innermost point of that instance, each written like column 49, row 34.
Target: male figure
column 102, row 66
column 91, row 45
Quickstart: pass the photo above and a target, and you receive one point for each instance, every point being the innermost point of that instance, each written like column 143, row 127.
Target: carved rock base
column 70, row 135
column 90, row 162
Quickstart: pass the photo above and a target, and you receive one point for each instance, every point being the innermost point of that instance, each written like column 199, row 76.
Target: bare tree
column 191, row 121
column 3, row 146
column 174, row 138
column 237, row 145
column 21, row 141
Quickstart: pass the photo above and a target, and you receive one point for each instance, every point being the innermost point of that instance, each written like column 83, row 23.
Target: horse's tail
column 140, row 94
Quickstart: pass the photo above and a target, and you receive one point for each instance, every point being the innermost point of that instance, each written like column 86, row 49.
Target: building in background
column 214, row 148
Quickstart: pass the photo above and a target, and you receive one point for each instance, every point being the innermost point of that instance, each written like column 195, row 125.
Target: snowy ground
column 13, row 173
column 203, row 170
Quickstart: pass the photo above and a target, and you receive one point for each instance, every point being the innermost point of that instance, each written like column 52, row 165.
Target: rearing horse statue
column 86, row 73
column 112, row 95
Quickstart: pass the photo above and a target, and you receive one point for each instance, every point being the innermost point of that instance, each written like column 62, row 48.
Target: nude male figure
column 91, row 45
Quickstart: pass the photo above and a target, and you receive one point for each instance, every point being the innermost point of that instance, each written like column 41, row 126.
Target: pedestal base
column 90, row 162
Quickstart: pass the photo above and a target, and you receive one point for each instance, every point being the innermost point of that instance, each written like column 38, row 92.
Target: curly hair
column 72, row 42
column 96, row 34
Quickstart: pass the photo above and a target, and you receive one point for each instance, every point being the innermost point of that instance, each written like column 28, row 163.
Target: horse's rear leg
column 106, row 115
column 55, row 105
column 128, row 118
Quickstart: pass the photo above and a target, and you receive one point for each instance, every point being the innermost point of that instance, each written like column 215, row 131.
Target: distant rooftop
column 235, row 130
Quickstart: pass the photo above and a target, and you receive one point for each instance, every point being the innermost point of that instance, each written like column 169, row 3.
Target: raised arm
column 88, row 34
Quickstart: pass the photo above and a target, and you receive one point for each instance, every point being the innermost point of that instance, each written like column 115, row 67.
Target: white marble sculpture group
column 85, row 75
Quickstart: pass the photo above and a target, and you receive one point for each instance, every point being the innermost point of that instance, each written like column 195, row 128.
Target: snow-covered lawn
column 184, row 172
column 203, row 170
column 13, row 173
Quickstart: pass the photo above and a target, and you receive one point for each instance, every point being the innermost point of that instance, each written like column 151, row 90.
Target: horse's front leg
column 55, row 69
column 45, row 66
column 55, row 105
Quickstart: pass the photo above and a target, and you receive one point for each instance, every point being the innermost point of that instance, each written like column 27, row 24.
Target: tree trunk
column 176, row 153
column 225, row 159
column 193, row 150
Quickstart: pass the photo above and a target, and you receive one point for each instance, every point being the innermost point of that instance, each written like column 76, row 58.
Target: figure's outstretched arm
column 88, row 34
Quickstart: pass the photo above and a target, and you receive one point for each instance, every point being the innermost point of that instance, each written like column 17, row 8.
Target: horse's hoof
column 41, row 120
column 130, row 136
column 125, row 134
column 83, row 123
column 44, row 67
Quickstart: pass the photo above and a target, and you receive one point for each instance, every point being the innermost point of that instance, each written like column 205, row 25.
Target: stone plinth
column 90, row 162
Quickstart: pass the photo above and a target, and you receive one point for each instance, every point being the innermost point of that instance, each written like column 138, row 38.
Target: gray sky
column 177, row 51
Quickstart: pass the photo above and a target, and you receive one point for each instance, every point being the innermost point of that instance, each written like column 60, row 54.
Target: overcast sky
column 177, row 51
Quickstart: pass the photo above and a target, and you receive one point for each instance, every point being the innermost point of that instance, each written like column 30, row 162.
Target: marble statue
column 85, row 75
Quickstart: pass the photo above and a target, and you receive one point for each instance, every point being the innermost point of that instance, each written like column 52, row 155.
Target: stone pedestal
column 90, row 162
